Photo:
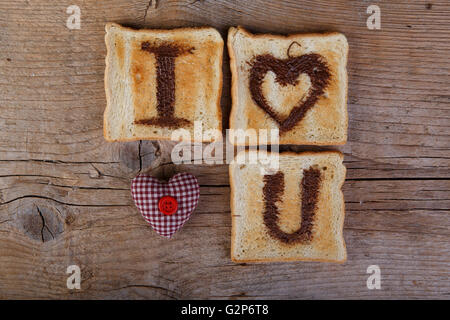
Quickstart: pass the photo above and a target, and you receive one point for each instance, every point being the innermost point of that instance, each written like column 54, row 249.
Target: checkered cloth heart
column 147, row 192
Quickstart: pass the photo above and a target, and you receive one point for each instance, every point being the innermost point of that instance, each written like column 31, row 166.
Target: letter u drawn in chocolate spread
column 273, row 190
column 165, row 55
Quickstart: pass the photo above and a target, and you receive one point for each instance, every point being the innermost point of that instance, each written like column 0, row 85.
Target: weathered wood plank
column 405, row 234
column 64, row 191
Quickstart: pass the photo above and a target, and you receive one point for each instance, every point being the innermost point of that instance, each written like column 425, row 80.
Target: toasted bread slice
column 293, row 213
column 158, row 81
column 296, row 83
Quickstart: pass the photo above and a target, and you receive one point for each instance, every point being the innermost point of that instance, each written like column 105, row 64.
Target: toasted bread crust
column 233, row 189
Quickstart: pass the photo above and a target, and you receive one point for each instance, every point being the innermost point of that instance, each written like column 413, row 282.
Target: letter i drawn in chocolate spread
column 165, row 55
column 273, row 190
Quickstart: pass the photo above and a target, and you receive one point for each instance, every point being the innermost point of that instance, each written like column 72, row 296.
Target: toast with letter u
column 294, row 213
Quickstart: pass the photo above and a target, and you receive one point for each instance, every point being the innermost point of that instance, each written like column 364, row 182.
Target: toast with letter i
column 295, row 83
column 159, row 81
column 293, row 213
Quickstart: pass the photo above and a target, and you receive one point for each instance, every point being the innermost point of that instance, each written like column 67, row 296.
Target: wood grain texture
column 64, row 191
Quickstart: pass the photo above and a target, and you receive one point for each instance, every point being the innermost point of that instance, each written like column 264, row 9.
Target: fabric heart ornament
column 287, row 72
column 166, row 206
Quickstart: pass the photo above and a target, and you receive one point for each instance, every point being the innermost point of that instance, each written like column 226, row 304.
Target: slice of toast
column 294, row 213
column 295, row 83
column 158, row 81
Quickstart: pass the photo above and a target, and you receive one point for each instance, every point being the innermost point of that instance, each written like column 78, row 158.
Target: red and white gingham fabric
column 147, row 190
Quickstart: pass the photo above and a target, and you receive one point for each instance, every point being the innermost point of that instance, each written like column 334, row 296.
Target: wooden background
column 64, row 191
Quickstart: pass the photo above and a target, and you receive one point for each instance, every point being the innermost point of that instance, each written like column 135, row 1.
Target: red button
column 168, row 205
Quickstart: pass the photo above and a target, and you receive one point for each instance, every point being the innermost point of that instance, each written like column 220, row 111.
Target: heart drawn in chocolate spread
column 287, row 72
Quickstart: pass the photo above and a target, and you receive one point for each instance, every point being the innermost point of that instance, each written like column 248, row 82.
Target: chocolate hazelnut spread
column 287, row 72
column 165, row 55
column 273, row 190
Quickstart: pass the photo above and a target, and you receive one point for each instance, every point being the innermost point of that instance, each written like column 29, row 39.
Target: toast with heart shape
column 295, row 83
